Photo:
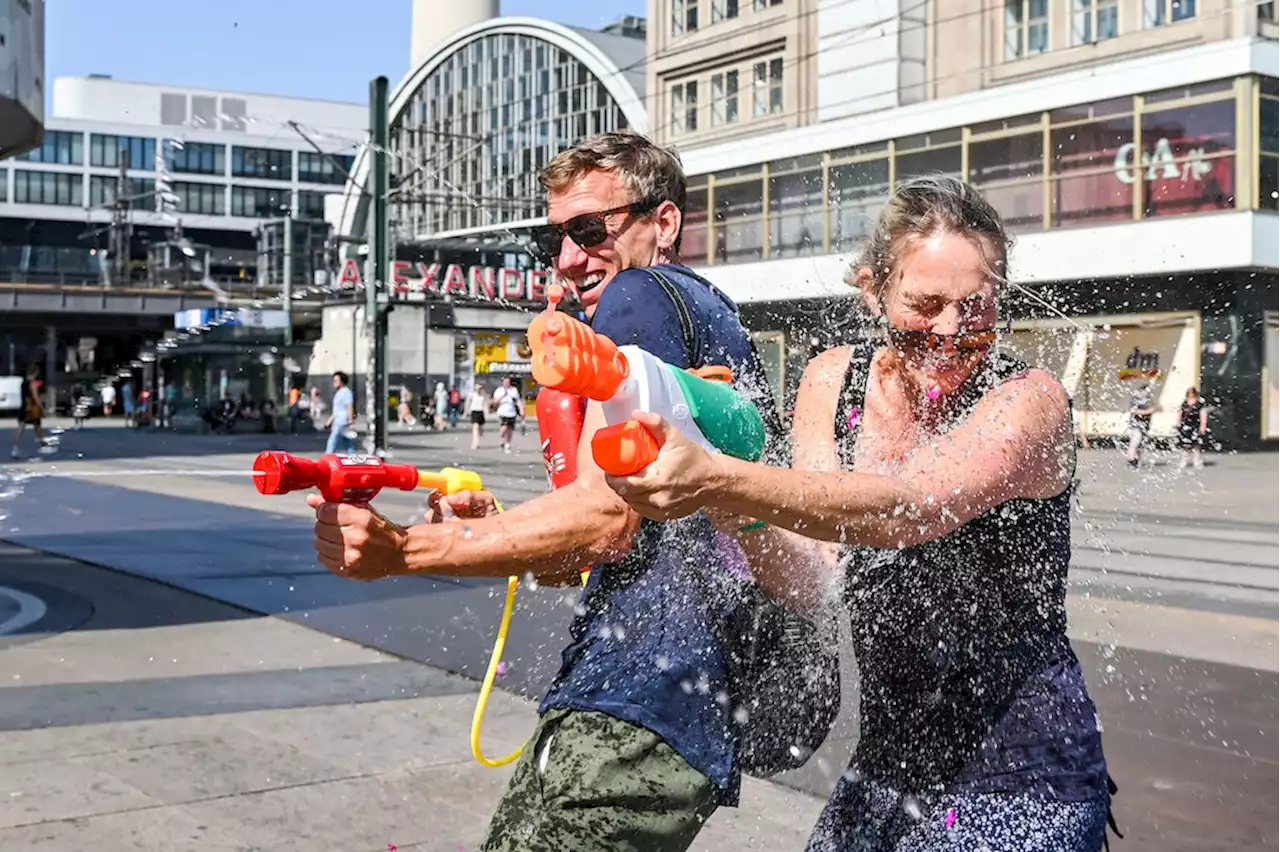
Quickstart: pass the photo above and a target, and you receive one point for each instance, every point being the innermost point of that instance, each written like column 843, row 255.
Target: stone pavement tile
column 446, row 806
column 1234, row 640
column 186, row 650
column 396, row 735
column 42, row 745
column 228, row 763
column 145, row 830
column 62, row 789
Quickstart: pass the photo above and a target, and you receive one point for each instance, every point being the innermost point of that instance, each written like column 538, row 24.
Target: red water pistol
column 353, row 479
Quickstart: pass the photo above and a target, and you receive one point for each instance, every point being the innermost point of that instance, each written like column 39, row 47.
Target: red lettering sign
column 483, row 283
column 513, row 284
column 350, row 276
column 538, row 285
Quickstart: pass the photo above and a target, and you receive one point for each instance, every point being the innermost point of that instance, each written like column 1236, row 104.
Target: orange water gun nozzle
column 570, row 357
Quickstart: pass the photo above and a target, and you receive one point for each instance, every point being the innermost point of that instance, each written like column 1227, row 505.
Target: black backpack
column 784, row 668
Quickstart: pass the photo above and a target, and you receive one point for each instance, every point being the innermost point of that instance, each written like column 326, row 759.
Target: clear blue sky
column 301, row 48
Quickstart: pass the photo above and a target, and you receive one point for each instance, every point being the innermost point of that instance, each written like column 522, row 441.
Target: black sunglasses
column 910, row 341
column 587, row 231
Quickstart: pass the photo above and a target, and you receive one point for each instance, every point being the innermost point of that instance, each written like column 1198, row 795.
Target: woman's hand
column 680, row 482
column 465, row 505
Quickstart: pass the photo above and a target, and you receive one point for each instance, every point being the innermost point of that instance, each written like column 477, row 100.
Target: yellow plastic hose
column 486, row 686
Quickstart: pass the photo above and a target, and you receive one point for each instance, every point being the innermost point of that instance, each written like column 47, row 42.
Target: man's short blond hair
column 651, row 174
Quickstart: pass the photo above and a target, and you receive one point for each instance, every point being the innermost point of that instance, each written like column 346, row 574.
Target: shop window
column 1269, row 133
column 739, row 221
column 140, row 192
column 723, row 10
column 684, row 107
column 1026, row 28
column 1157, row 13
column 929, row 161
column 1267, row 181
column 60, row 147
column 693, row 236
column 207, row 199
column 105, row 151
column 767, row 95
column 1093, row 21
column 1188, row 159
column 56, row 188
column 856, row 191
column 1009, row 171
column 724, row 98
column 684, row 17
column 1092, row 172
column 1271, row 380
column 795, row 211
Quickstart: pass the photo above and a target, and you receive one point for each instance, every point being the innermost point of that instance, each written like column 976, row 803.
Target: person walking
column 31, row 413
column 1141, row 406
column 477, row 406
column 108, row 399
column 1193, row 426
column 342, row 422
column 506, row 401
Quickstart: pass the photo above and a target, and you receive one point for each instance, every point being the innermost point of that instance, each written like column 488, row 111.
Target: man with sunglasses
column 634, row 748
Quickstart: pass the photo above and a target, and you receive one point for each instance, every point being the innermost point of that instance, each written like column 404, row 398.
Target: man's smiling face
column 632, row 241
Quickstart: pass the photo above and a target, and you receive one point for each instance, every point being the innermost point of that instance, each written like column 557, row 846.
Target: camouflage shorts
column 588, row 781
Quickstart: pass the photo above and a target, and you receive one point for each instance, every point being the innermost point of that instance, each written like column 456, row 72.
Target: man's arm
column 553, row 536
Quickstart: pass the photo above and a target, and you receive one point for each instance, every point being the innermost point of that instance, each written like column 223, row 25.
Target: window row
column 721, row 99
column 685, row 14
column 1027, row 28
column 66, row 189
column 1080, row 166
column 66, row 148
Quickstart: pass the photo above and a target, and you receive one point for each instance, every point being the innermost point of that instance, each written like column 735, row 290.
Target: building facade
column 139, row 187
column 217, row 163
column 470, row 127
column 1129, row 146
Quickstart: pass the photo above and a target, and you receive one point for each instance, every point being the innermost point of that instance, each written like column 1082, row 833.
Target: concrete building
column 21, row 75
column 200, row 171
column 1130, row 146
column 479, row 114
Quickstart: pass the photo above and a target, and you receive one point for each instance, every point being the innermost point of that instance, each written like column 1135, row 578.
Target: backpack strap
column 692, row 343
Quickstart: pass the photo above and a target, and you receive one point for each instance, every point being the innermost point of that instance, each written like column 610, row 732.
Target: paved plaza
column 177, row 672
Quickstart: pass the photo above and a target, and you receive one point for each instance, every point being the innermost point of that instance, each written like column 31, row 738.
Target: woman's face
column 943, row 285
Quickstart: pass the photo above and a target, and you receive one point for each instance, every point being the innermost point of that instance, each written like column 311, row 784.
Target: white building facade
column 1141, row 193
column 218, row 163
column 471, row 125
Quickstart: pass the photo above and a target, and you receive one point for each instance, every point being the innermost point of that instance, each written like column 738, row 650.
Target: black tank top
column 968, row 680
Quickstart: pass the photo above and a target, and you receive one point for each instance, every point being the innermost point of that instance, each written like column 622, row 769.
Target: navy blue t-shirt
column 644, row 648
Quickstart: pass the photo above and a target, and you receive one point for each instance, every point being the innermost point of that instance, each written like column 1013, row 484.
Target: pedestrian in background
column 342, row 422
column 1193, row 426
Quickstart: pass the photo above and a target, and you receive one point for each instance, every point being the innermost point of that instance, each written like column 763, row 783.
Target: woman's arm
column 1016, row 443
column 788, row 566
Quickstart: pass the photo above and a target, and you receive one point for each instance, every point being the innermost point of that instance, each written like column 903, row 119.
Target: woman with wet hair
column 931, row 495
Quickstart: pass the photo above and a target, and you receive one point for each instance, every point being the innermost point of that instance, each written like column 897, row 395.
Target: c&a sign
column 480, row 282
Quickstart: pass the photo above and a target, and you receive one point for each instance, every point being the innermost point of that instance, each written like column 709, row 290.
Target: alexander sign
column 481, row 282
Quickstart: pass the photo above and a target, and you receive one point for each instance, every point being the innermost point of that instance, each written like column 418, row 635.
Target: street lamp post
column 377, row 296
